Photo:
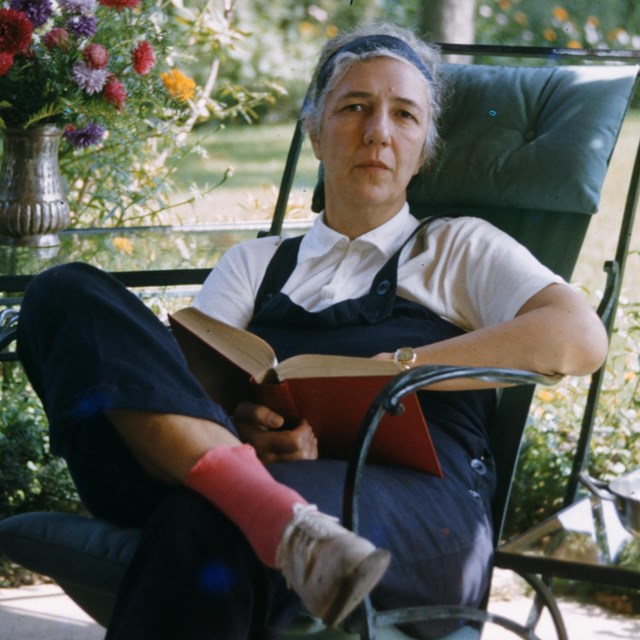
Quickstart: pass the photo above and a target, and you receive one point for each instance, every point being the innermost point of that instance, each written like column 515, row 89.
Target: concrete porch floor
column 44, row 612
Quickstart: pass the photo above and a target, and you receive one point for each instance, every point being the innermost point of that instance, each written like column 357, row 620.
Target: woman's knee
column 59, row 283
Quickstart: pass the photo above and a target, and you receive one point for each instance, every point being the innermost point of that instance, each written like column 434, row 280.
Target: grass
column 600, row 243
column 258, row 155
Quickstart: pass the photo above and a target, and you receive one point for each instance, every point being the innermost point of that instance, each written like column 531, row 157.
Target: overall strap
column 279, row 269
column 381, row 298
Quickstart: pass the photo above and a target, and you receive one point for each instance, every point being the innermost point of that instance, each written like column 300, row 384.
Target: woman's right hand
column 264, row 430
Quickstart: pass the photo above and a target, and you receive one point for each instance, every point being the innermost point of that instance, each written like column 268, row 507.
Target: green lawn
column 257, row 153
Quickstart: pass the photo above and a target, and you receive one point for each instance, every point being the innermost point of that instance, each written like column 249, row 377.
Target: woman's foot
column 328, row 566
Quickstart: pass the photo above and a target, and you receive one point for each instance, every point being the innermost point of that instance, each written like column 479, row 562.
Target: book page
column 249, row 352
column 321, row 366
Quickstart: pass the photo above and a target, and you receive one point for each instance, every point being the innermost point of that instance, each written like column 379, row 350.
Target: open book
column 333, row 393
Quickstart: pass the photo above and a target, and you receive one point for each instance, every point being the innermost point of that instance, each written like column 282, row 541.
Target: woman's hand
column 263, row 429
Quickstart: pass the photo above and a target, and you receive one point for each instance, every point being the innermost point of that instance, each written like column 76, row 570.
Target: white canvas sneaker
column 328, row 566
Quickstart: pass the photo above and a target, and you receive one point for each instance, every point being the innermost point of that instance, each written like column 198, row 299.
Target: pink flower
column 56, row 38
column 15, row 31
column 144, row 59
column 115, row 92
column 96, row 56
column 6, row 62
column 120, row 4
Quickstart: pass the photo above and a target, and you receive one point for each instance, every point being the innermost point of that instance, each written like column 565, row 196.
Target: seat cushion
column 71, row 549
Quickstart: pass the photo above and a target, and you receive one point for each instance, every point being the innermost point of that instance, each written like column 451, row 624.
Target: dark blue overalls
column 194, row 571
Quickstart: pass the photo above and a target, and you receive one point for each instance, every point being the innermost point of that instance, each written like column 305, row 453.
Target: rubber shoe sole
column 355, row 587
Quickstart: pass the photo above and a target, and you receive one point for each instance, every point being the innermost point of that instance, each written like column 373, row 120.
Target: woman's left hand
column 265, row 430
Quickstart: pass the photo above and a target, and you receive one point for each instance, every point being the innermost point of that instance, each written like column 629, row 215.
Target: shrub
column 551, row 436
column 31, row 477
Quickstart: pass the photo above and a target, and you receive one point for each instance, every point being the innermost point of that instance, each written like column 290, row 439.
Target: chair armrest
column 8, row 327
column 424, row 376
column 389, row 401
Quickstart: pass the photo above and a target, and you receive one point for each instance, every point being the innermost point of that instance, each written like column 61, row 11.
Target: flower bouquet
column 88, row 66
column 110, row 74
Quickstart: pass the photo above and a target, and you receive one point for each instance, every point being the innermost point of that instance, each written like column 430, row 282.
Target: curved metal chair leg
column 544, row 597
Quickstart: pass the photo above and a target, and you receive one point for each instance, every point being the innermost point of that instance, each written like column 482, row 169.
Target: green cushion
column 69, row 548
column 533, row 138
column 528, row 137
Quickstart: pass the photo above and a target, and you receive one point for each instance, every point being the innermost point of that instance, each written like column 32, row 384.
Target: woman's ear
column 315, row 145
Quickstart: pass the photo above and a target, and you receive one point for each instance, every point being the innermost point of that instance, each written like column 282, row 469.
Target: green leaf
column 48, row 111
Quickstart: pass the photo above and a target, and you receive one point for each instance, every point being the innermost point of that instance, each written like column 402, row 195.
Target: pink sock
column 236, row 482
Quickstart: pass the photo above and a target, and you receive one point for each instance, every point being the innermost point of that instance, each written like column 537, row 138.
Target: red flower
column 96, row 56
column 120, row 4
column 6, row 62
column 114, row 92
column 143, row 58
column 15, row 31
column 56, row 38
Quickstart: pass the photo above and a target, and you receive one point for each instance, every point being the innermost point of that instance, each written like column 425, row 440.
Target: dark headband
column 369, row 44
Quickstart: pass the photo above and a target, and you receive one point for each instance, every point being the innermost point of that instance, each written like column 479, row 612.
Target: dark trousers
column 89, row 345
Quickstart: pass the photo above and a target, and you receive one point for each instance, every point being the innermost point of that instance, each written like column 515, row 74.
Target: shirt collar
column 386, row 238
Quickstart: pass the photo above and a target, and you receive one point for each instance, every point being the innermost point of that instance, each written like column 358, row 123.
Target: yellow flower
column 550, row 35
column 629, row 375
column 504, row 5
column 545, row 396
column 122, row 244
column 593, row 21
column 521, row 18
column 306, row 27
column 560, row 13
column 574, row 44
column 332, row 31
column 179, row 86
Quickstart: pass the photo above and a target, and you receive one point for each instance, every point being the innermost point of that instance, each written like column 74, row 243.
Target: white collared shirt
column 463, row 269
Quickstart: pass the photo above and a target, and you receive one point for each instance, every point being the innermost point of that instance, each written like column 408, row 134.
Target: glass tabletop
column 585, row 541
column 135, row 249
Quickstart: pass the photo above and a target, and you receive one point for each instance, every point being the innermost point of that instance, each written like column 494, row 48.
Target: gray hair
column 428, row 54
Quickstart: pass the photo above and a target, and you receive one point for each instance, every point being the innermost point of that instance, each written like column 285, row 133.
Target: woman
column 367, row 280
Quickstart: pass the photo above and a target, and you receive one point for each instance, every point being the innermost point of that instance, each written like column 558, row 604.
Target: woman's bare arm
column 555, row 332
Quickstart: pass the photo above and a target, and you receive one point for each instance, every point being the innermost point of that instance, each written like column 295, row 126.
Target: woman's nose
column 378, row 129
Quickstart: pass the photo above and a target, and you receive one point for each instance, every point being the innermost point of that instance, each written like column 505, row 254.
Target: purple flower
column 38, row 11
column 84, row 7
column 91, row 80
column 86, row 136
column 81, row 25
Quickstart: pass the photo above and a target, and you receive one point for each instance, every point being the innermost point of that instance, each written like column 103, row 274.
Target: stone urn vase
column 33, row 202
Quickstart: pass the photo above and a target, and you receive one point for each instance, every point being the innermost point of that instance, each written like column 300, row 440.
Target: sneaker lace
column 310, row 526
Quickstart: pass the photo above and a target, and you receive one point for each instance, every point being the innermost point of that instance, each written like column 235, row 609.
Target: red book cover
column 332, row 393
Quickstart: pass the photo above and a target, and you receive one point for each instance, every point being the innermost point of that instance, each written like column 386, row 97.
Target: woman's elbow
column 587, row 349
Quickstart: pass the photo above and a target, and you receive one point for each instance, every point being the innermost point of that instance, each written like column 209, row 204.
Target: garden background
column 251, row 63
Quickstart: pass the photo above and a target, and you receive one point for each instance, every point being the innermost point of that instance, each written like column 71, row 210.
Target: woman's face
column 372, row 135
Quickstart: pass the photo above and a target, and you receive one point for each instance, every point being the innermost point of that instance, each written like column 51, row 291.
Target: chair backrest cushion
column 530, row 138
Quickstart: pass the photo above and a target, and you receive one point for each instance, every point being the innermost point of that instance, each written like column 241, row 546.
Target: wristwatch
column 405, row 357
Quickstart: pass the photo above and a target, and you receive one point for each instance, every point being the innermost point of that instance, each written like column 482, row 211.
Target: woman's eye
column 407, row 115
column 354, row 107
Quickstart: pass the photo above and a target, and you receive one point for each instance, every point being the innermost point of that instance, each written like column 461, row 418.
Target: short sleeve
column 230, row 289
column 492, row 275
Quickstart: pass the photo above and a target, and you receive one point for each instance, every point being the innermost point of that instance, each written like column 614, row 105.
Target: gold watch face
column 405, row 356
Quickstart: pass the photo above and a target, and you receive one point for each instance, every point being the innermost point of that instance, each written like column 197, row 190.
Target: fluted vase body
column 33, row 201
